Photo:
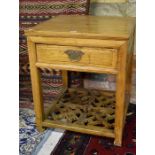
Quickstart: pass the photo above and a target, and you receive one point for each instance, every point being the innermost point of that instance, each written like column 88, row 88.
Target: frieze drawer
column 77, row 55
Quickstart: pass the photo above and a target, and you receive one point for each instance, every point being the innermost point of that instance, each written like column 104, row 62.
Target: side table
column 85, row 44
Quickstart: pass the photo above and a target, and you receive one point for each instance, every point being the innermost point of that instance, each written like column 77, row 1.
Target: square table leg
column 36, row 86
column 65, row 78
column 120, row 95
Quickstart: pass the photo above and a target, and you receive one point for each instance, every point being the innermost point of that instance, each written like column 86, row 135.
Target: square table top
column 82, row 26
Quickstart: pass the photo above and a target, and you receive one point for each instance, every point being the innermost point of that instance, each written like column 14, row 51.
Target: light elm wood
column 86, row 44
column 57, row 54
column 80, row 128
column 78, row 42
column 76, row 26
column 120, row 95
column 76, row 67
column 65, row 78
column 36, row 85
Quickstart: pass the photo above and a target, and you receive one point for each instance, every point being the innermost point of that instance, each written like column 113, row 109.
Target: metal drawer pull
column 74, row 55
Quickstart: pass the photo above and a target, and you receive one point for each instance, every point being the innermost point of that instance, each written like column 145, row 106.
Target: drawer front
column 66, row 54
column 76, row 55
column 104, row 57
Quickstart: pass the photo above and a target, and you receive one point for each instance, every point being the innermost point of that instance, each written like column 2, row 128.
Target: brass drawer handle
column 74, row 55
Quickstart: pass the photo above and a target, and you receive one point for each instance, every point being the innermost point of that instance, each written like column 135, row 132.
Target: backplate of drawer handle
column 74, row 55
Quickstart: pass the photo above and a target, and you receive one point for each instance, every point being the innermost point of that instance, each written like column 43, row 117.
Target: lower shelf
column 82, row 110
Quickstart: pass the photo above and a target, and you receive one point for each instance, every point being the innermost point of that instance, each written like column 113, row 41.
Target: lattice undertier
column 84, row 108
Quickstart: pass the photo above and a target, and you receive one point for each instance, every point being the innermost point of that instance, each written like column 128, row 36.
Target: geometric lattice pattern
column 85, row 107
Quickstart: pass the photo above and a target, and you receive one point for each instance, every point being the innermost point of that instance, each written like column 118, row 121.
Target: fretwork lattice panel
column 85, row 107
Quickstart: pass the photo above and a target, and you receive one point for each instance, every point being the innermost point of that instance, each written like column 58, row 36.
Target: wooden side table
column 86, row 44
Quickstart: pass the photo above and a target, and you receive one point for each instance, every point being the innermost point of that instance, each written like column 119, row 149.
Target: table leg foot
column 40, row 128
column 118, row 142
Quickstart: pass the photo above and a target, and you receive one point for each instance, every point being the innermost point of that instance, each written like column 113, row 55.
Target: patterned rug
column 81, row 144
column 31, row 13
column 29, row 137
